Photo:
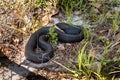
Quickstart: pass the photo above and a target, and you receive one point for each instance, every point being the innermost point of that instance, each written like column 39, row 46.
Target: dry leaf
column 97, row 5
column 91, row 0
column 108, row 14
column 117, row 37
column 45, row 20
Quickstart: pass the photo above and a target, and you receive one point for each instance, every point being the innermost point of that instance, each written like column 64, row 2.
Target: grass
column 68, row 6
column 53, row 35
column 115, row 23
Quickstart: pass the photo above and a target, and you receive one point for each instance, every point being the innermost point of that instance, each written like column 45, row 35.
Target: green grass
column 68, row 6
column 53, row 35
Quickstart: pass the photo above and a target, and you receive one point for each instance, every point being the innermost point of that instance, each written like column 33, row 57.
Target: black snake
column 72, row 33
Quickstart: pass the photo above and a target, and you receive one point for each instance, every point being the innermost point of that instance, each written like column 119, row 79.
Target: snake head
column 39, row 57
column 43, row 57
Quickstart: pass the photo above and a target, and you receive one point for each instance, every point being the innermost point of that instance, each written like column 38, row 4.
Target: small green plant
column 87, row 35
column 101, row 38
column 110, row 66
column 115, row 23
column 80, row 57
column 114, row 2
column 68, row 6
column 104, row 40
column 53, row 35
column 85, row 64
column 40, row 3
column 118, row 50
column 93, row 17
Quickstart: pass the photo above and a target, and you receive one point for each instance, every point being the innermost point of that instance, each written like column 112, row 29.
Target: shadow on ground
column 5, row 62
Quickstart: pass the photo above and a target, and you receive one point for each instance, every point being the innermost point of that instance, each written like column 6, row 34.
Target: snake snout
column 43, row 58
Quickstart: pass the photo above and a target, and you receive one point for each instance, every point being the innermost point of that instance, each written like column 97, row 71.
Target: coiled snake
column 72, row 33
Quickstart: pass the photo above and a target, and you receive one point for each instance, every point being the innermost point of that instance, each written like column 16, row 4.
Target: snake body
column 72, row 33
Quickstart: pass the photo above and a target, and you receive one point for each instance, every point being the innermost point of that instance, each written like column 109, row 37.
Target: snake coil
column 72, row 33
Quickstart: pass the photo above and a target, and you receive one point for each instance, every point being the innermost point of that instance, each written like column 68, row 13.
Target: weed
column 86, row 66
column 115, row 23
column 93, row 17
column 40, row 3
column 80, row 57
column 53, row 35
column 104, row 40
column 114, row 2
column 118, row 50
column 68, row 6
column 101, row 38
column 87, row 35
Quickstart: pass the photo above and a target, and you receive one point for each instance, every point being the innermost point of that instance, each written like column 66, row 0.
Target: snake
column 67, row 33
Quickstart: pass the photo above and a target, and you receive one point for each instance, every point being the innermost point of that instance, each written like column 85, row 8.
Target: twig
column 114, row 72
column 63, row 66
column 114, row 44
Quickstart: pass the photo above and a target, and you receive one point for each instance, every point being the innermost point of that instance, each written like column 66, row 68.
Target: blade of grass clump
column 99, row 76
column 81, row 3
column 115, row 26
column 80, row 56
column 87, row 35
